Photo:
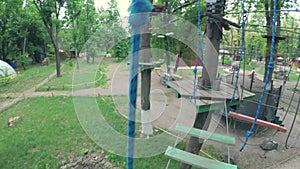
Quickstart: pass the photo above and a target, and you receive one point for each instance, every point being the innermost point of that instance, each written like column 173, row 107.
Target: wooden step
column 258, row 121
column 205, row 134
column 195, row 160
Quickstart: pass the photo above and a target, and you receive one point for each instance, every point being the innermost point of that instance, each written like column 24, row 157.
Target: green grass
column 294, row 76
column 249, row 67
column 86, row 75
column 27, row 79
column 44, row 138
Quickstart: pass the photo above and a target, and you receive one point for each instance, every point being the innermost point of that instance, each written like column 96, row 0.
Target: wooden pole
column 146, row 79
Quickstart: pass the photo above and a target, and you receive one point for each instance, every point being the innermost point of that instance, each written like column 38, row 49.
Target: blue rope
column 197, row 51
column 270, row 66
column 241, row 51
column 136, row 19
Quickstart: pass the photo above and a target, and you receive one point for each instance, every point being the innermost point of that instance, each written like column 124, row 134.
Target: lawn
column 292, row 77
column 27, row 79
column 85, row 77
column 43, row 138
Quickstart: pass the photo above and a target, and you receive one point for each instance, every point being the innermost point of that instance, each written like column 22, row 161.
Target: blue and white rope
column 270, row 66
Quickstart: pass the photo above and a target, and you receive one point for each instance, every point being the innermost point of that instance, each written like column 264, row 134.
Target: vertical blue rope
column 197, row 51
column 134, row 62
column 270, row 66
column 136, row 19
column 241, row 51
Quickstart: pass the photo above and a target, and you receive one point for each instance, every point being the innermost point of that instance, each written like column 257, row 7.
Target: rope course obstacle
column 255, row 119
column 190, row 158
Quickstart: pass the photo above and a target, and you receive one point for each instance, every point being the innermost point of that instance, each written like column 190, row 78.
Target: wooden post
column 232, row 77
column 146, row 80
column 252, row 79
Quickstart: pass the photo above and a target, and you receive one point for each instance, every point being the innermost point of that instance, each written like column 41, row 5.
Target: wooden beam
column 195, row 160
column 205, row 134
column 258, row 122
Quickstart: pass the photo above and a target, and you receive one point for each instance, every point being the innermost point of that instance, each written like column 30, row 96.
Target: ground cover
column 27, row 79
column 45, row 138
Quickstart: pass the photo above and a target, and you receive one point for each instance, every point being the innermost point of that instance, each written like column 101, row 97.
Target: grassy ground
column 249, row 67
column 292, row 77
column 45, row 138
column 27, row 79
column 66, row 81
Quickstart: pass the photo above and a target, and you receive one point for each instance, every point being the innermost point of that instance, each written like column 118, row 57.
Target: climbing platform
column 207, row 99
column 185, row 88
column 258, row 122
column 205, row 134
column 196, row 160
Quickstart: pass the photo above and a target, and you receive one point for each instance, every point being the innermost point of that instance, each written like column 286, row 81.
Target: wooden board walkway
column 208, row 99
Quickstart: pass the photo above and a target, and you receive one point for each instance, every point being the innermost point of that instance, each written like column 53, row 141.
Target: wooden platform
column 207, row 99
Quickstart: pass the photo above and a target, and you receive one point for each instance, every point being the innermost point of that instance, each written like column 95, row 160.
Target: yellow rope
column 182, row 139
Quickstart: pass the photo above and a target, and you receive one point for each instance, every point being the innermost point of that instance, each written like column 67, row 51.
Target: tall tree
column 49, row 11
column 9, row 10
column 269, row 14
column 74, row 9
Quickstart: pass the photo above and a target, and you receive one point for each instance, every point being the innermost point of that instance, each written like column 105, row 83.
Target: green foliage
column 121, row 49
column 23, row 60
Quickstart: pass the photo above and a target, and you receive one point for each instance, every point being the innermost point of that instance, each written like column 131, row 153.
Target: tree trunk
column 269, row 19
column 58, row 73
column 211, row 54
column 178, row 59
column 24, row 45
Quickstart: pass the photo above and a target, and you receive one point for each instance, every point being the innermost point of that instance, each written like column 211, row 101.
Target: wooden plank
column 180, row 90
column 196, row 160
column 258, row 122
column 205, row 94
column 205, row 134
column 229, row 89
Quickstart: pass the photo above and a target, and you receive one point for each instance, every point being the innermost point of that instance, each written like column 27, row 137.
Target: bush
column 23, row 60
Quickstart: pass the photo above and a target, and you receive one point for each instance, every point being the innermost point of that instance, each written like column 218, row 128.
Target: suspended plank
column 258, row 122
column 195, row 160
column 205, row 134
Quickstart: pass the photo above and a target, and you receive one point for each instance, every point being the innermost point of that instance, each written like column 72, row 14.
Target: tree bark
column 211, row 53
column 58, row 73
column 49, row 28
